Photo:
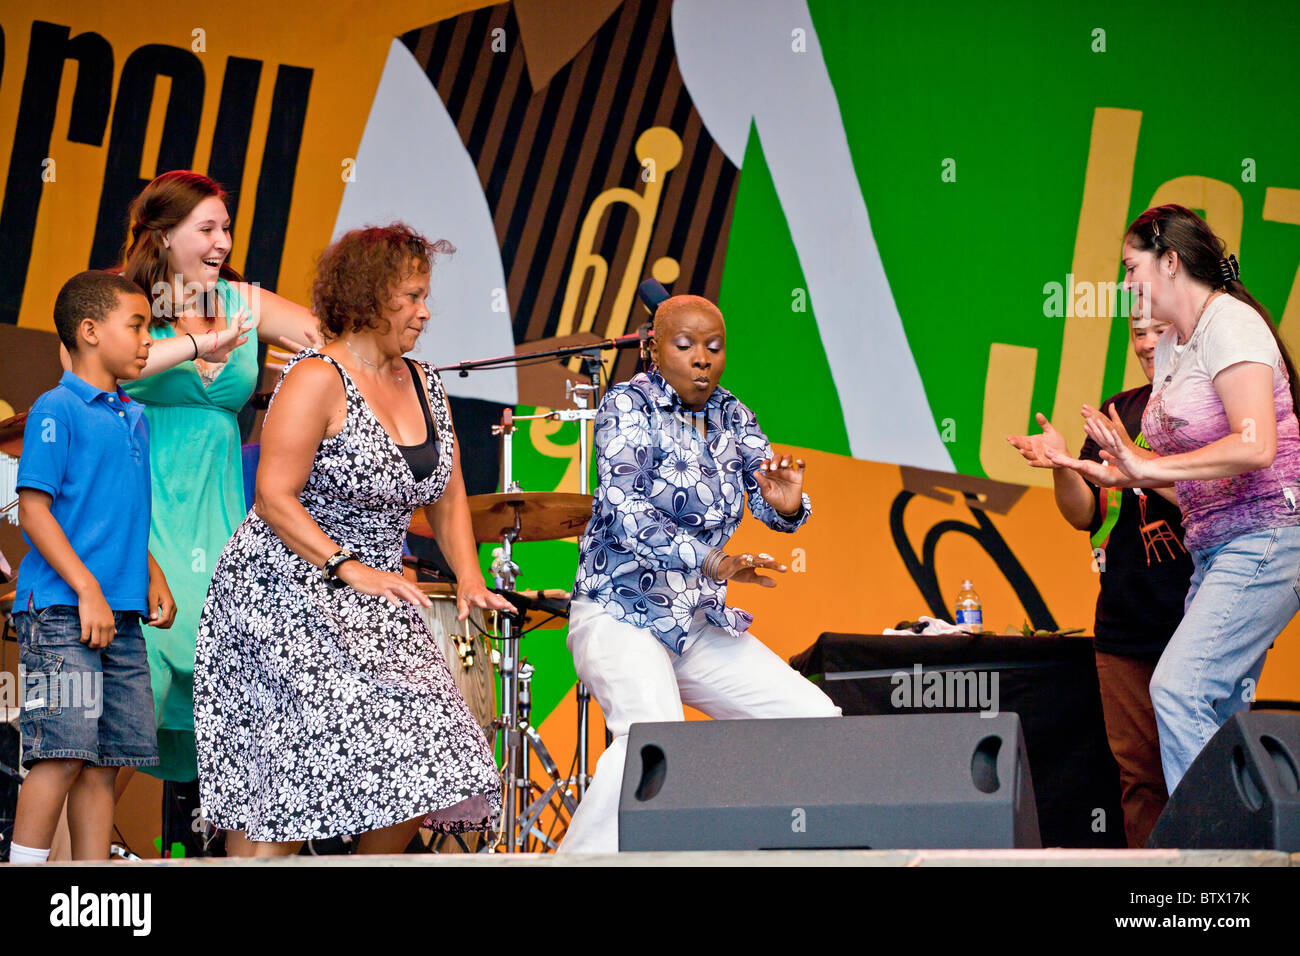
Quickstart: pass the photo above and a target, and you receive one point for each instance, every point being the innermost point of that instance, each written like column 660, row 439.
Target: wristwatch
column 330, row 572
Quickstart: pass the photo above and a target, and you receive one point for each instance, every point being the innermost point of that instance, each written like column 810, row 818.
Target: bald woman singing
column 677, row 457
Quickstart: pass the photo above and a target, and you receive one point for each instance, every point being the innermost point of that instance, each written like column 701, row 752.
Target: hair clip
column 1155, row 228
column 1229, row 269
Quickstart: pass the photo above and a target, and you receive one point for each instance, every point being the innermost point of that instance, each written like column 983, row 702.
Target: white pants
column 636, row 679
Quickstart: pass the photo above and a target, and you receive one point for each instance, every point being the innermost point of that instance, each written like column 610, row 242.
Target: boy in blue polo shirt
column 83, row 502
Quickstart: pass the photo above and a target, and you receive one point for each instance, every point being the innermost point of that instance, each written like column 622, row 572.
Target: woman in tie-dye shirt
column 1223, row 430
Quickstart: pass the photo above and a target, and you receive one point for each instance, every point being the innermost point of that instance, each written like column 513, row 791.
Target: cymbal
column 11, row 434
column 543, row 515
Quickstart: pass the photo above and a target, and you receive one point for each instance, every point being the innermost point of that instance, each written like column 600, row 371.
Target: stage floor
column 758, row 858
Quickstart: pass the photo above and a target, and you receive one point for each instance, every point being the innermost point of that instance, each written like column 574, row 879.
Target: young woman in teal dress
column 202, row 370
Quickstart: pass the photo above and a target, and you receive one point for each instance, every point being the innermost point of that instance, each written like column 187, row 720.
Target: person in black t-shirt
column 1137, row 542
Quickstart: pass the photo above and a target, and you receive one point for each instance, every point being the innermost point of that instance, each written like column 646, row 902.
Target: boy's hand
column 97, row 625
column 162, row 606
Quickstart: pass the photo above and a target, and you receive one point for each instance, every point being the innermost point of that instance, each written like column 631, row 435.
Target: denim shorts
column 82, row 703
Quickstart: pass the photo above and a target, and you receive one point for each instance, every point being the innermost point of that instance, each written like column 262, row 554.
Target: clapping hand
column 1113, row 439
column 1116, row 447
column 1034, row 448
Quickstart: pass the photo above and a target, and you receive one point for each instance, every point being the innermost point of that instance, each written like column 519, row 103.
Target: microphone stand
column 519, row 814
column 639, row 339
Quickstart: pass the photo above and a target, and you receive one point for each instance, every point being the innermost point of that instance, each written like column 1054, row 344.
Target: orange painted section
column 855, row 580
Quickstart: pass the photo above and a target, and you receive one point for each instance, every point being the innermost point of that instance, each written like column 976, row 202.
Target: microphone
column 652, row 293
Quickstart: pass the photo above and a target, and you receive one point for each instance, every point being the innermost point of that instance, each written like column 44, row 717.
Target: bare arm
column 47, row 537
column 1074, row 498
column 454, row 532
column 449, row 518
column 311, row 404
column 279, row 321
column 169, row 352
column 1246, row 390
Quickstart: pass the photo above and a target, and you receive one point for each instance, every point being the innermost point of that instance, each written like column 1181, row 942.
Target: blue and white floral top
column 667, row 497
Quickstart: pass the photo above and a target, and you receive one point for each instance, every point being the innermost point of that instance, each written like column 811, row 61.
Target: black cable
column 548, row 620
column 122, row 840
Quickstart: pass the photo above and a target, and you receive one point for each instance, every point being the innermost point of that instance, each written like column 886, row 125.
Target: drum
column 468, row 653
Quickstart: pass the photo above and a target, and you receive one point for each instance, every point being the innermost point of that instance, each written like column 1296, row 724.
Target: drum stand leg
column 582, row 395
column 521, row 812
column 532, row 742
column 520, row 739
column 505, row 569
column 583, row 777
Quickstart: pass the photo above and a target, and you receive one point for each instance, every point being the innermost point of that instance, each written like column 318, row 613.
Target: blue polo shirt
column 89, row 450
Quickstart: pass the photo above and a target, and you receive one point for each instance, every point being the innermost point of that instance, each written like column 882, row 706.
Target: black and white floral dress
column 321, row 711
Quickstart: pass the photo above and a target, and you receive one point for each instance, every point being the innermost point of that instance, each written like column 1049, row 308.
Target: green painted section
column 1007, row 93
column 775, row 361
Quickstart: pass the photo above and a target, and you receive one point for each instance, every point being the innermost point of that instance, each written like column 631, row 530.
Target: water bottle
column 969, row 610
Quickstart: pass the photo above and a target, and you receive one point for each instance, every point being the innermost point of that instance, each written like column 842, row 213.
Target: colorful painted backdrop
column 911, row 219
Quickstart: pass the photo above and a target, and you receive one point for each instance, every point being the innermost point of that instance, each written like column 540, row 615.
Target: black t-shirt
column 1146, row 568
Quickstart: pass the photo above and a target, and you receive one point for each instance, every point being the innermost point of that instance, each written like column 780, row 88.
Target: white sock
column 25, row 854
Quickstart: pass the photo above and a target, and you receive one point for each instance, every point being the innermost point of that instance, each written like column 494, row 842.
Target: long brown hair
column 1201, row 253
column 162, row 205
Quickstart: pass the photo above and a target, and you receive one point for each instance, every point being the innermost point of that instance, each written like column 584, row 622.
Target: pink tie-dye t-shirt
column 1185, row 413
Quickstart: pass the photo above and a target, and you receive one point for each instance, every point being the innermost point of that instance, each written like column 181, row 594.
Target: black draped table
column 1051, row 682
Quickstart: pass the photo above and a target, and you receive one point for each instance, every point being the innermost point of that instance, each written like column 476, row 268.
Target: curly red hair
column 355, row 276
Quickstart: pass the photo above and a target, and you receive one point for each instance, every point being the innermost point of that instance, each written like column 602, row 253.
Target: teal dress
column 198, row 501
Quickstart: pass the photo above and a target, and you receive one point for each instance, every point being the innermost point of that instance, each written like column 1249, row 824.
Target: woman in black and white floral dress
column 322, row 705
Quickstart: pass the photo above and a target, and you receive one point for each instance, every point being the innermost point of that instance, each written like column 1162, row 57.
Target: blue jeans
column 83, row 703
column 1242, row 594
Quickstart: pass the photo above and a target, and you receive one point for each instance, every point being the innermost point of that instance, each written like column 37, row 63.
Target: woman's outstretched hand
column 312, row 337
column 217, row 348
column 1034, row 448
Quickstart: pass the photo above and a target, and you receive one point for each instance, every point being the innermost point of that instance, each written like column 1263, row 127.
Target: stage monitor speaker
column 1242, row 792
column 881, row 782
